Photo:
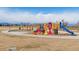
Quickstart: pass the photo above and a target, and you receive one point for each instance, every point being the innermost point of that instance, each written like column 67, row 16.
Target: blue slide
column 66, row 29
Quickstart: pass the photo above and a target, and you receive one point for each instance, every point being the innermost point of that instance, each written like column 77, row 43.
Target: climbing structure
column 46, row 29
column 50, row 32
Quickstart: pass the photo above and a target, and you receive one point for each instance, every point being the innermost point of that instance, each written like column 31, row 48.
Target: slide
column 66, row 29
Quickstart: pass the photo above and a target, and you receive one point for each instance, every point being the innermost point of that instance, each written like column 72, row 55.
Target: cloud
column 25, row 16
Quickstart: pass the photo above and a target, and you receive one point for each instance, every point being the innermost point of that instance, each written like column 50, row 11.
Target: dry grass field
column 25, row 43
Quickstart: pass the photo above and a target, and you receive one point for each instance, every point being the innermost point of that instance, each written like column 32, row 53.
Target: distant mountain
column 18, row 24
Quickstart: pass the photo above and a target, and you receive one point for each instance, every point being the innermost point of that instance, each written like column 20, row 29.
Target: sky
column 39, row 14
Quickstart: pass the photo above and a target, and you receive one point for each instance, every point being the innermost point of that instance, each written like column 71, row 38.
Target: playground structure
column 50, row 29
column 46, row 29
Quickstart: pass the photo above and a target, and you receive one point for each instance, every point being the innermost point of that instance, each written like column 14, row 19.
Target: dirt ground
column 25, row 43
